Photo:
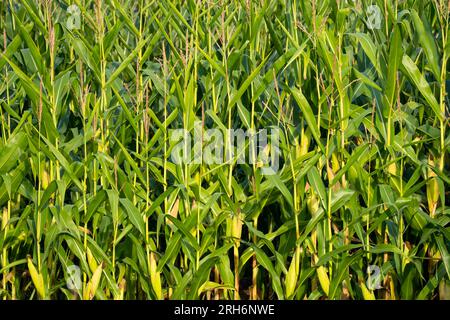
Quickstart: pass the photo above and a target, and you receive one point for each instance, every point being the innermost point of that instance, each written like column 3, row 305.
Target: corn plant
column 94, row 206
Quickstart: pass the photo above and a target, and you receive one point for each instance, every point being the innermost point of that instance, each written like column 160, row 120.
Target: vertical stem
column 254, row 292
column 40, row 174
column 5, row 221
column 165, row 123
column 236, row 272
column 443, row 93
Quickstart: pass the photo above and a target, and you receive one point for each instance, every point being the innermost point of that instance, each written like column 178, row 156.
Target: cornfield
column 93, row 206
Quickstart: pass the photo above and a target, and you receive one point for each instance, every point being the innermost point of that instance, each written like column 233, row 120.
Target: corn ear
column 91, row 261
column 122, row 288
column 45, row 179
column 91, row 287
column 37, row 278
column 323, row 279
column 155, row 277
column 367, row 294
column 432, row 188
column 304, row 142
column 312, row 202
column 335, row 162
column 236, row 228
column 322, row 275
column 290, row 282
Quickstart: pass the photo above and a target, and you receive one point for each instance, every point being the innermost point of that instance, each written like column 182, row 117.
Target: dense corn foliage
column 359, row 208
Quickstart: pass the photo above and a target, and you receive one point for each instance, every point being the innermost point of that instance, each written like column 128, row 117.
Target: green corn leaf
column 134, row 215
column 419, row 81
